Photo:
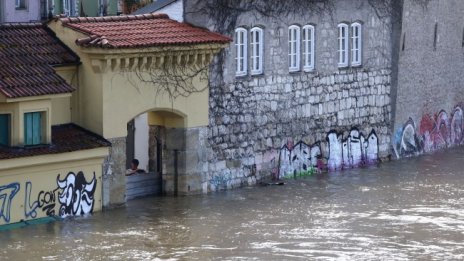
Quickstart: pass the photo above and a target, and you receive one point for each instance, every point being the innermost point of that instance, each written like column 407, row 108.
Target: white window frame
column 241, row 51
column 294, row 48
column 356, row 44
column 256, row 45
column 343, row 35
column 20, row 4
column 308, row 33
column 69, row 8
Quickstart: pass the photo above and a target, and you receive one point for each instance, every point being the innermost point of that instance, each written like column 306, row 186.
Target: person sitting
column 134, row 168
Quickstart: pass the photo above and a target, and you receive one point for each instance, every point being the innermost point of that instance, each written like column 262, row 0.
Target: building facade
column 298, row 93
column 144, row 64
column 49, row 166
column 430, row 92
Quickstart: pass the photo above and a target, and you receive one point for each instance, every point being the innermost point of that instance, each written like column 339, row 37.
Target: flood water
column 408, row 209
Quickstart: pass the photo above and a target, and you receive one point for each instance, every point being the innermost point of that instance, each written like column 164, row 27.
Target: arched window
column 308, row 47
column 256, row 45
column 241, row 43
column 356, row 44
column 294, row 48
column 342, row 45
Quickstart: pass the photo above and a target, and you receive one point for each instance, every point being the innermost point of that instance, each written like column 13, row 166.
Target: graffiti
column 435, row 132
column 77, row 197
column 354, row 151
column 7, row 193
column 47, row 201
column 220, row 181
column 30, row 210
column 297, row 158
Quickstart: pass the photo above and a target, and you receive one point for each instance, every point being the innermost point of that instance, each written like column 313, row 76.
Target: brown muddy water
column 410, row 209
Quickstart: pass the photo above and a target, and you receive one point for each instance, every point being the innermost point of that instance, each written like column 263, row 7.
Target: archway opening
column 154, row 139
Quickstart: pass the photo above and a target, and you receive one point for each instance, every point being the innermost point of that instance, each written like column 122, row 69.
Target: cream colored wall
column 56, row 109
column 41, row 173
column 123, row 100
column 107, row 98
column 86, row 101
column 17, row 110
column 61, row 107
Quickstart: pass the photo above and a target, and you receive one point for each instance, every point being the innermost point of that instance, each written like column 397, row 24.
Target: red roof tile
column 133, row 31
column 65, row 138
column 27, row 54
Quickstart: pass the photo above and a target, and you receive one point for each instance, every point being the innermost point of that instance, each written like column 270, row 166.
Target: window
column 33, row 128
column 69, row 7
column 241, row 51
column 342, row 45
column 308, row 47
column 256, row 45
column 356, row 44
column 5, row 129
column 20, row 4
column 294, row 48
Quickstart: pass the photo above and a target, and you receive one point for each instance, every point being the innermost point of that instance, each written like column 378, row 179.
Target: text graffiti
column 7, row 194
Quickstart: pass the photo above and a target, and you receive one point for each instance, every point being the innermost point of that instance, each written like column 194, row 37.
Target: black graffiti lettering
column 47, row 201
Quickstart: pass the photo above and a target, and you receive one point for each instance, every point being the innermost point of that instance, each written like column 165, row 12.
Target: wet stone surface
column 406, row 210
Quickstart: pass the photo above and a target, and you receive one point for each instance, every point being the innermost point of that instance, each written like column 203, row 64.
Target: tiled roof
column 135, row 31
column 65, row 138
column 27, row 54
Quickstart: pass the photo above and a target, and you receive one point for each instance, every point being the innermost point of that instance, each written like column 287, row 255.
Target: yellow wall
column 123, row 100
column 108, row 97
column 32, row 183
column 86, row 101
column 56, row 108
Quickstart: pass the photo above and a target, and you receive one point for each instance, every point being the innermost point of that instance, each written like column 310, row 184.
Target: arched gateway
column 144, row 65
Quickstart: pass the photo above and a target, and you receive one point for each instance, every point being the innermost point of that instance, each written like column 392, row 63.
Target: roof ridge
column 20, row 25
column 71, row 20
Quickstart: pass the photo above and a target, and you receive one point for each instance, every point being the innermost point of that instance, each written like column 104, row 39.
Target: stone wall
column 185, row 166
column 281, row 123
column 430, row 91
column 114, row 169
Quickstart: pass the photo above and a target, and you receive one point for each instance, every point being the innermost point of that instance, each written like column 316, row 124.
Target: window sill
column 257, row 73
column 21, row 9
column 309, row 70
column 241, row 74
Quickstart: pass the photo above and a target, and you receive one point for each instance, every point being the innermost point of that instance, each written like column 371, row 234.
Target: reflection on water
column 408, row 209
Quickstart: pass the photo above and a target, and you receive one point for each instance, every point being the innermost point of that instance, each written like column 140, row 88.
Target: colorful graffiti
column 435, row 132
column 73, row 194
column 77, row 197
column 7, row 194
column 353, row 151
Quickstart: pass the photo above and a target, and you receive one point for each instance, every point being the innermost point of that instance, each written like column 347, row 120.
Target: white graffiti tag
column 77, row 197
